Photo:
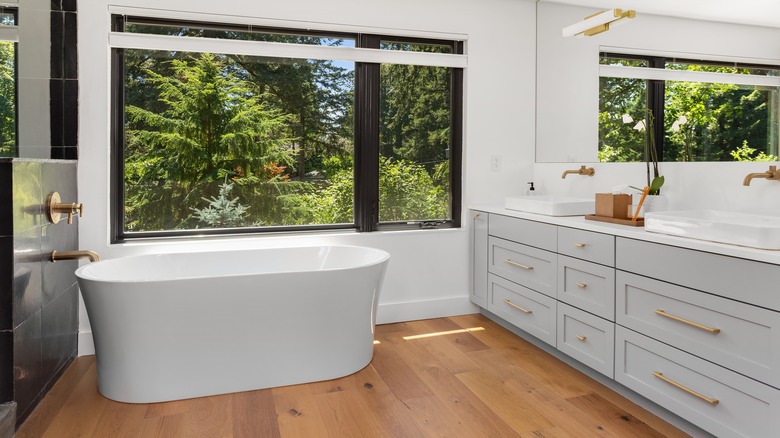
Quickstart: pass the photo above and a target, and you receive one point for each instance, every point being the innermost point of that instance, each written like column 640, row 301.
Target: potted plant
column 651, row 155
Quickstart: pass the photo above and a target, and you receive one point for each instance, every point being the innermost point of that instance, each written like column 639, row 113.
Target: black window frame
column 366, row 140
column 656, row 88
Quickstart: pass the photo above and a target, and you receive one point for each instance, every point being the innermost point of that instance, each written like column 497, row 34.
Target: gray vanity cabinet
column 695, row 332
column 479, row 253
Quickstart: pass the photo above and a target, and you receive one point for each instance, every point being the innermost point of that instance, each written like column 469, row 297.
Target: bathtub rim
column 384, row 257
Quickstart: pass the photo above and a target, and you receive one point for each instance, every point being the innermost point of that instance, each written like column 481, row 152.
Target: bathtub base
column 173, row 340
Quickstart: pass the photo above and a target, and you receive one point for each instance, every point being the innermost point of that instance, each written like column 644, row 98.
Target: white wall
column 428, row 274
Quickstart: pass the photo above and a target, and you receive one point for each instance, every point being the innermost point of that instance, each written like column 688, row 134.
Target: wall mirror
column 38, row 79
column 694, row 90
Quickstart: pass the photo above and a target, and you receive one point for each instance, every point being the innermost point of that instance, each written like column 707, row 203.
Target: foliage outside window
column 8, row 125
column 702, row 121
column 221, row 142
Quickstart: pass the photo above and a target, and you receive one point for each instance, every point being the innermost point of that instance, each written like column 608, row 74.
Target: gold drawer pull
column 528, row 268
column 582, row 338
column 506, row 301
column 685, row 321
column 712, row 401
column 580, row 245
column 582, row 285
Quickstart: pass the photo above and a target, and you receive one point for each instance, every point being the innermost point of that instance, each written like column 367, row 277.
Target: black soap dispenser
column 530, row 191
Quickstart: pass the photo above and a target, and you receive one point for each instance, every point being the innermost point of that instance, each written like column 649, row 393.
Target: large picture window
column 694, row 110
column 232, row 128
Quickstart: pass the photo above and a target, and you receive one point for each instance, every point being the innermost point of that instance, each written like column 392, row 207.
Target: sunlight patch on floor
column 449, row 332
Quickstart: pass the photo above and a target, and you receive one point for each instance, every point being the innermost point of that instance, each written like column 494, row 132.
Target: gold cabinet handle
column 660, row 375
column 685, row 321
column 582, row 285
column 580, row 245
column 506, row 301
column 582, row 338
column 528, row 268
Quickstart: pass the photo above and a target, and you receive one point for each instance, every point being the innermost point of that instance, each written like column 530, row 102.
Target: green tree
column 211, row 125
column 7, row 99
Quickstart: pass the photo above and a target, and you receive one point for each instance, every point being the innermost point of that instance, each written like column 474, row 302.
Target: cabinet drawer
column 739, row 279
column 737, row 406
column 524, row 308
column 587, row 285
column 531, row 267
column 738, row 336
column 531, row 233
column 587, row 245
column 587, row 338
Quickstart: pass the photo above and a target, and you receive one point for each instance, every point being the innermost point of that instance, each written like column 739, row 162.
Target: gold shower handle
column 55, row 208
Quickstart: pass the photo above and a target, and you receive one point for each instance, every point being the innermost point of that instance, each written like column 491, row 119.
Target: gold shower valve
column 55, row 208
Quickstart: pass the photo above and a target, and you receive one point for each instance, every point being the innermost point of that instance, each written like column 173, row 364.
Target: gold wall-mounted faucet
column 587, row 171
column 771, row 174
column 55, row 208
column 74, row 255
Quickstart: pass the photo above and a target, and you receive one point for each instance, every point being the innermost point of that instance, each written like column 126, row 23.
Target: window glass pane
column 609, row 60
column 226, row 141
column 720, row 122
column 414, row 129
column 7, row 99
column 622, row 119
column 416, row 47
column 236, row 32
column 7, row 16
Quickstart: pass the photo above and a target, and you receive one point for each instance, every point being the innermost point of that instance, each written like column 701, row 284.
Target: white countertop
column 639, row 233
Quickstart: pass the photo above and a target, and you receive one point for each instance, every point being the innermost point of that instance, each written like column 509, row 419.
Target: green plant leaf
column 656, row 184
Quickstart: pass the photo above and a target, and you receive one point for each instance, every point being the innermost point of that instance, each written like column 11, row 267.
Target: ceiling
column 755, row 12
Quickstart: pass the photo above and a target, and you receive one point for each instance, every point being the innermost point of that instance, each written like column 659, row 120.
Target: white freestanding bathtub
column 175, row 326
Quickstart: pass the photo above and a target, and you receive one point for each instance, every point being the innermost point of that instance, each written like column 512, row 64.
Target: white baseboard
column 414, row 310
column 86, row 344
column 386, row 313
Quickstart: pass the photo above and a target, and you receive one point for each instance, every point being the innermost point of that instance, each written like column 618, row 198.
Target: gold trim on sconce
column 598, row 23
column 55, row 208
column 587, row 171
column 772, row 174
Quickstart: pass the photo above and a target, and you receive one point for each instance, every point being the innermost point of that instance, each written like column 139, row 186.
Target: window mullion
column 367, row 139
column 656, row 91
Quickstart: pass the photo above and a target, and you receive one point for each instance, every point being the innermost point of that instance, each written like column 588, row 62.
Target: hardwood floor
column 468, row 378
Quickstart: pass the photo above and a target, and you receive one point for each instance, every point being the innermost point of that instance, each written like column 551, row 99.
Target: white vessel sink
column 551, row 205
column 718, row 226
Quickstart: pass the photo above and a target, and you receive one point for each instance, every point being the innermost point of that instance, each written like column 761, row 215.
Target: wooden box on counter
column 612, row 205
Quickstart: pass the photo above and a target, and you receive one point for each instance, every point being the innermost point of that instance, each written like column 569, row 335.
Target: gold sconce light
column 598, row 23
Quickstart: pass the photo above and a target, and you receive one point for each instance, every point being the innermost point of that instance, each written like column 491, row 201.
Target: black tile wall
column 57, row 25
column 44, row 294
column 70, row 64
column 57, row 111
column 6, row 192
column 27, row 363
column 6, row 366
column 59, row 321
column 8, row 280
column 38, row 298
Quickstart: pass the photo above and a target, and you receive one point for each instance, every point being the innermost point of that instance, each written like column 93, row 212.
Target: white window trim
column 689, row 55
column 621, row 71
column 285, row 24
column 9, row 33
column 122, row 40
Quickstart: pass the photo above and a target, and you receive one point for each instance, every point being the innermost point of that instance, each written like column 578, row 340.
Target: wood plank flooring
column 461, row 376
